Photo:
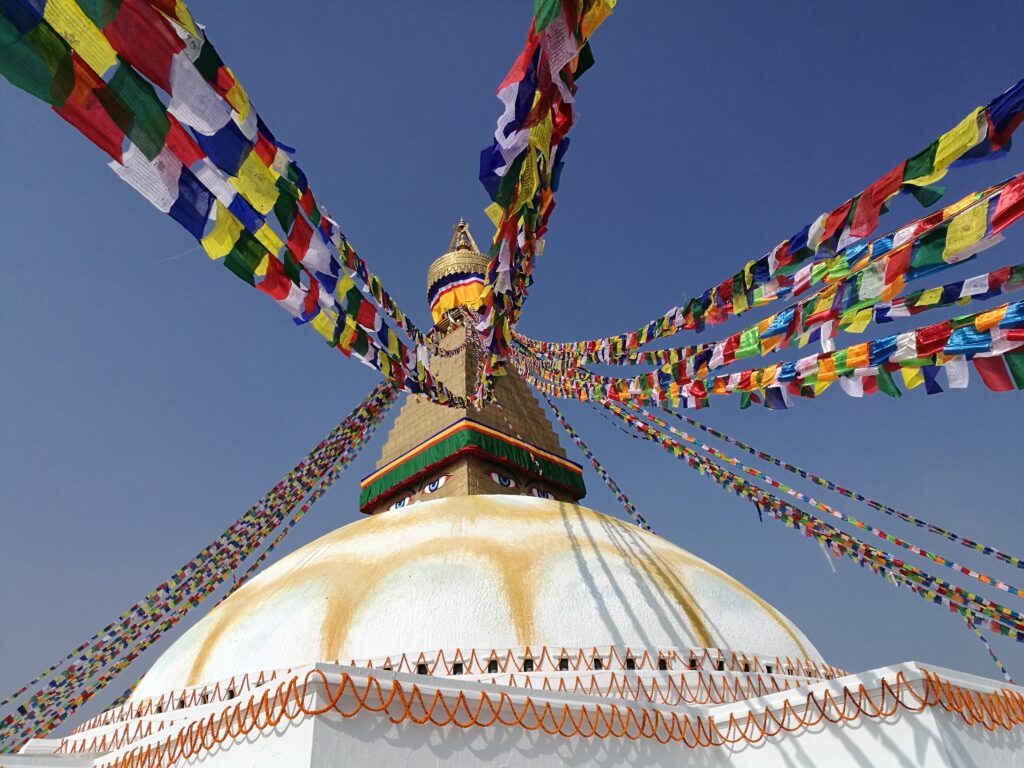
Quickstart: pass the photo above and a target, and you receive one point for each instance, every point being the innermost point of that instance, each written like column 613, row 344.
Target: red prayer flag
column 897, row 263
column 865, row 218
column 276, row 283
column 307, row 203
column 932, row 339
column 299, row 236
column 836, row 219
column 518, row 70
column 993, row 372
column 367, row 315
column 145, row 39
column 266, row 150
column 182, row 145
column 1010, row 206
column 84, row 111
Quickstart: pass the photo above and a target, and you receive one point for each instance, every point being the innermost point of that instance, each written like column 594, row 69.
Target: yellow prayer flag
column 739, row 303
column 912, row 377
column 324, row 324
column 990, row 319
column 955, row 143
column 962, row 204
column 345, row 284
column 256, row 184
column 540, row 137
column 348, row 333
column 71, row 23
column 825, row 299
column 595, row 15
column 965, row 230
column 929, row 297
column 222, row 238
column 269, row 239
column 527, row 180
column 767, row 345
column 494, row 212
column 238, row 98
column 184, row 17
column 860, row 320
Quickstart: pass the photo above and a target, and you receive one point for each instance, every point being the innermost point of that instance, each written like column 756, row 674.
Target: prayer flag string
column 208, row 160
column 617, row 492
column 983, row 134
column 521, row 168
column 833, row 486
column 988, row 648
column 115, row 647
column 809, row 500
column 931, row 588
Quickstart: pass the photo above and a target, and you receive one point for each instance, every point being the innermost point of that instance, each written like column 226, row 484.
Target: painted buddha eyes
column 503, row 480
column 400, row 503
column 540, row 494
column 436, row 484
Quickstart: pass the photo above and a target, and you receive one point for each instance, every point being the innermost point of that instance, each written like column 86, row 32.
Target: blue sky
column 147, row 396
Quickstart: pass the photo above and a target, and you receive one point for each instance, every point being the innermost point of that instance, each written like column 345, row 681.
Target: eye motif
column 503, row 480
column 540, row 494
column 403, row 502
column 436, row 484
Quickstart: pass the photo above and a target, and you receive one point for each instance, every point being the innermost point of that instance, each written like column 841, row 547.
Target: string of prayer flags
column 982, row 134
column 800, row 496
column 984, row 641
column 521, row 168
column 933, row 589
column 843, row 491
column 617, row 492
column 207, row 149
column 991, row 340
column 58, row 691
column 863, row 285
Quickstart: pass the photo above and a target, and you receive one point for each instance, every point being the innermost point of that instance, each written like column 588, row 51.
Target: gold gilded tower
column 434, row 451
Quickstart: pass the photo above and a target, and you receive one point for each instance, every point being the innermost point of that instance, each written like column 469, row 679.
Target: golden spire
column 457, row 277
column 509, row 448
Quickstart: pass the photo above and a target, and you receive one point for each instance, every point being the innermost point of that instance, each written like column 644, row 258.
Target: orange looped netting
column 296, row 698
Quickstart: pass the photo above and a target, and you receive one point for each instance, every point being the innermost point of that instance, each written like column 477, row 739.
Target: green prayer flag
column 100, row 12
column 750, row 343
column 929, row 248
column 148, row 125
column 886, row 384
column 291, row 267
column 507, row 186
column 1015, row 362
column 245, row 257
column 586, row 61
column 927, row 195
column 38, row 62
column 921, row 164
column 839, row 361
column 286, row 203
column 545, row 12
column 208, row 62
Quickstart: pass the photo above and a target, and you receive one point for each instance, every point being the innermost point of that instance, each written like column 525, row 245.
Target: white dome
column 474, row 572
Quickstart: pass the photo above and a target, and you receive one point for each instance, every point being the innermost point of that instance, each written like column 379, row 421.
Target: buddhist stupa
column 480, row 615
